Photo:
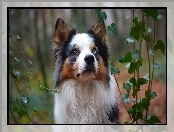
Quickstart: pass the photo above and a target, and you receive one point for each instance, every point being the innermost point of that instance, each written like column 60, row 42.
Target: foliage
column 134, row 61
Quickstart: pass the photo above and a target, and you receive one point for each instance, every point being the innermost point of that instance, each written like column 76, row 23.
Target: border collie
column 87, row 91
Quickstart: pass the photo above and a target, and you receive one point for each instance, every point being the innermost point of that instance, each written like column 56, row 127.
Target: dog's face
column 80, row 56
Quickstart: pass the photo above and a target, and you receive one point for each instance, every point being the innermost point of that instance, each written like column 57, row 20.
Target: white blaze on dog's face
column 80, row 56
column 86, row 56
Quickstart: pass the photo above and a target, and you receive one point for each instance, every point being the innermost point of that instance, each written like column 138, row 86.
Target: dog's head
column 80, row 56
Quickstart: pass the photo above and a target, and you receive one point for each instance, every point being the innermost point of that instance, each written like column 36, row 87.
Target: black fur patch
column 60, row 55
column 113, row 115
column 102, row 48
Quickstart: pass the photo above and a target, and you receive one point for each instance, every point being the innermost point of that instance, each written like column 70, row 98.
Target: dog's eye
column 75, row 52
column 94, row 51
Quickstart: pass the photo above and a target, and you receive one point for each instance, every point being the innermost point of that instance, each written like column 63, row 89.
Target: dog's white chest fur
column 84, row 102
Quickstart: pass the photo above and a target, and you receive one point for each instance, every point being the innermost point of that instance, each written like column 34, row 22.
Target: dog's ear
column 62, row 33
column 100, row 31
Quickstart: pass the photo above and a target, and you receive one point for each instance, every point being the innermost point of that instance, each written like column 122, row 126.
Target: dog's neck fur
column 84, row 102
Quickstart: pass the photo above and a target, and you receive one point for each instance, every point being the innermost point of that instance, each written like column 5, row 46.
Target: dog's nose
column 89, row 59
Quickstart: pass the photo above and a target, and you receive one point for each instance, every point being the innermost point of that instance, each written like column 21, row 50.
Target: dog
column 87, row 90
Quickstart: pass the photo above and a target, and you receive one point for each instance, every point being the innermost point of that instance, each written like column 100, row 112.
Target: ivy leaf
column 41, row 88
column 119, row 58
column 159, row 45
column 159, row 17
column 21, row 112
column 16, row 59
column 145, row 103
column 151, row 52
column 126, row 98
column 131, row 68
column 147, row 38
column 133, row 81
column 19, row 39
column 15, row 109
column 101, row 15
column 137, row 55
column 127, row 86
column 127, row 65
column 34, row 110
column 141, row 81
column 151, row 12
column 149, row 30
column 30, row 62
column 113, row 28
column 139, row 115
column 28, row 85
column 153, row 94
column 127, row 58
column 156, row 66
column 11, row 53
column 113, row 70
column 146, row 76
column 134, row 33
column 130, row 40
column 24, row 99
column 152, row 119
column 147, row 94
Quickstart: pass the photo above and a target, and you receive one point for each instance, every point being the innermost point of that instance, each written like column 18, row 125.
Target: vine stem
column 12, row 115
column 22, row 103
column 153, row 60
column 149, row 82
column 121, row 96
column 18, row 52
column 134, row 52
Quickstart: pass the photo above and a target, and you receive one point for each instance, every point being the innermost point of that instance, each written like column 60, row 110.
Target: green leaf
column 134, row 66
column 151, row 52
column 147, row 94
column 152, row 119
column 137, row 55
column 156, row 66
column 131, row 68
column 145, row 103
column 127, row 65
column 159, row 45
column 113, row 70
column 126, row 98
column 11, row 53
column 30, row 62
column 119, row 58
column 101, row 15
column 146, row 76
column 16, row 59
column 139, row 115
column 149, row 30
column 130, row 40
column 28, row 85
column 24, row 99
column 127, row 86
column 34, row 110
column 19, row 39
column 127, row 58
column 113, row 28
column 141, row 81
column 15, row 109
column 153, row 94
column 41, row 88
column 147, row 38
column 133, row 81
column 159, row 17
column 151, row 12
column 21, row 112
column 135, row 33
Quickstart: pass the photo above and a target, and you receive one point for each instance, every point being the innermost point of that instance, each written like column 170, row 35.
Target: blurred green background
column 30, row 53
